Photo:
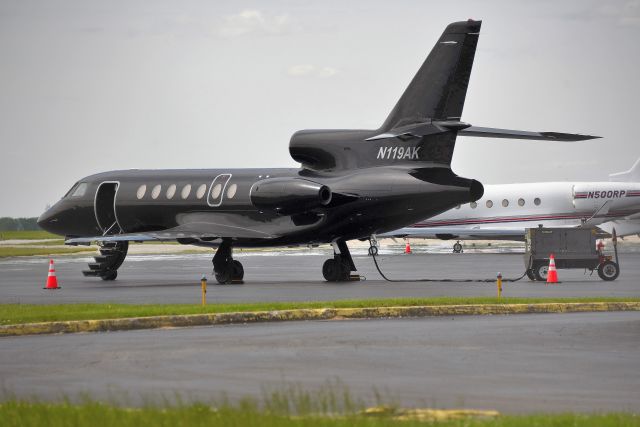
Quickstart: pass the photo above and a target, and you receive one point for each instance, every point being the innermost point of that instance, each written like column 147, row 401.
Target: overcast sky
column 89, row 86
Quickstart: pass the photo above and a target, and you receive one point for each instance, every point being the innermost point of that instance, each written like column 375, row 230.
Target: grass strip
column 13, row 251
column 31, row 243
column 247, row 413
column 11, row 314
column 27, row 235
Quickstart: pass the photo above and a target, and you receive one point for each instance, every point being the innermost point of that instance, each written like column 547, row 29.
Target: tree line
column 19, row 224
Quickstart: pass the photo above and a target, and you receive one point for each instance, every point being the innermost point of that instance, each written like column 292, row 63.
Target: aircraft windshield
column 78, row 190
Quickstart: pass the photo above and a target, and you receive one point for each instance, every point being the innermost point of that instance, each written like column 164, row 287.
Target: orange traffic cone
column 552, row 274
column 52, row 280
column 407, row 249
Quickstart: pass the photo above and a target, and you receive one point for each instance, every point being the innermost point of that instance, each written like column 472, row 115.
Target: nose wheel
column 457, row 248
column 226, row 269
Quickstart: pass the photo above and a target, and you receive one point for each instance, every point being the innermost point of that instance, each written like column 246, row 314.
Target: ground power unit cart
column 572, row 248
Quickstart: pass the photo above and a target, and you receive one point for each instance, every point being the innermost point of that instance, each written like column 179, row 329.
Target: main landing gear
column 225, row 268
column 339, row 268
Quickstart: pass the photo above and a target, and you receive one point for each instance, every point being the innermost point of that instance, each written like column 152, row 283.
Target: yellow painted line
column 104, row 325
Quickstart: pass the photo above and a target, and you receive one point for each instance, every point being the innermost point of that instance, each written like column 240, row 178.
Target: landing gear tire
column 238, row 270
column 225, row 268
column 223, row 277
column 457, row 248
column 110, row 275
column 540, row 272
column 332, row 270
column 608, row 271
column 373, row 250
column 530, row 275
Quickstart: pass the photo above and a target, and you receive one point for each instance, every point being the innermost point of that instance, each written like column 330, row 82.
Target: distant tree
column 7, row 224
column 18, row 224
column 30, row 223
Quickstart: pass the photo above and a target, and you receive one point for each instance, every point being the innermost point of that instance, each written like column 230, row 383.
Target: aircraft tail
column 423, row 125
column 439, row 88
column 632, row 175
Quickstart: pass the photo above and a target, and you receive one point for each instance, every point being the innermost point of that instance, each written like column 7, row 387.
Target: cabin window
column 186, row 190
column 231, row 191
column 156, row 191
column 80, row 190
column 537, row 201
column 201, row 190
column 473, row 205
column 489, row 204
column 505, row 203
column 171, row 191
column 520, row 202
column 141, row 191
column 217, row 189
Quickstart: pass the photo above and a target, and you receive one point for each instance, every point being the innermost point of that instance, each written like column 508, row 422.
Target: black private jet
column 352, row 184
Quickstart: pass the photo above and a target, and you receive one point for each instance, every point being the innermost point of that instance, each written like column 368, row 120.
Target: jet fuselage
column 361, row 203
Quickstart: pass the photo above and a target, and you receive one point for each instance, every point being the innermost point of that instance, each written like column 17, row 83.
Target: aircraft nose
column 48, row 220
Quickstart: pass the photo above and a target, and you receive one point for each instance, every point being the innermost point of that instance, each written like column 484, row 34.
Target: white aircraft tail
column 632, row 175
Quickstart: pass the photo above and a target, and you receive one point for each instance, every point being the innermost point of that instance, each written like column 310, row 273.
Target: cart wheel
column 540, row 272
column 608, row 271
column 530, row 274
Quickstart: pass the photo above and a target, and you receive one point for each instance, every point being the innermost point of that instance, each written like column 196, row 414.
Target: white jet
column 506, row 210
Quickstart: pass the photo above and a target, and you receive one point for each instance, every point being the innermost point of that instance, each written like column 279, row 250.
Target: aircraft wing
column 624, row 227
column 496, row 233
column 521, row 134
column 205, row 231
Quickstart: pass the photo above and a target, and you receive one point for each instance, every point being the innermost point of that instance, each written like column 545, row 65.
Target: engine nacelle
column 289, row 195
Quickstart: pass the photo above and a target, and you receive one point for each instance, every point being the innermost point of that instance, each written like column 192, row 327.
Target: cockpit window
column 78, row 190
column 71, row 190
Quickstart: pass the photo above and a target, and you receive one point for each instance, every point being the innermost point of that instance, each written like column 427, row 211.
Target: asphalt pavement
column 521, row 363
column 296, row 276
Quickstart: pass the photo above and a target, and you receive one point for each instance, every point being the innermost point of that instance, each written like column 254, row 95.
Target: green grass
column 30, row 313
column 27, row 235
column 59, row 242
column 11, row 251
column 247, row 413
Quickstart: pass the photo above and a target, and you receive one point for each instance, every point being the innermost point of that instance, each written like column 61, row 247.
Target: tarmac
column 585, row 362
column 296, row 276
column 522, row 363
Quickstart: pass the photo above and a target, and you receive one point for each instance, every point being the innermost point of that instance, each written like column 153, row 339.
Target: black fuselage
column 212, row 201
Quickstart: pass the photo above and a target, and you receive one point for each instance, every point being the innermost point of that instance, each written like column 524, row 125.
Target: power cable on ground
column 374, row 254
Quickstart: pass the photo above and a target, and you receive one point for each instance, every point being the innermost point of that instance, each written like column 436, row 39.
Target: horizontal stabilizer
column 418, row 130
column 521, row 134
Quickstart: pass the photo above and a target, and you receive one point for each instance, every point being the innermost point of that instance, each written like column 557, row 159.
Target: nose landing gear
column 225, row 268
column 457, row 248
column 339, row 268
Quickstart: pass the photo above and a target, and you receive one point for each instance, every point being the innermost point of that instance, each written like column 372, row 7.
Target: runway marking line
column 153, row 322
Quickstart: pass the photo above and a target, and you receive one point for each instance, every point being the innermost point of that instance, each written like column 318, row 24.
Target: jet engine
column 289, row 195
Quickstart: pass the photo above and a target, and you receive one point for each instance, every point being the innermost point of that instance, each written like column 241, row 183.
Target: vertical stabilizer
column 632, row 175
column 439, row 88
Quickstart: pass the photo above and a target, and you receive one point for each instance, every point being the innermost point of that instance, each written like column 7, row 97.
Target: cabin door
column 105, row 208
